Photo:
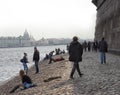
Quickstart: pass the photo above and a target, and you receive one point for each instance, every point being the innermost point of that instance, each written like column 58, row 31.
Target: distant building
column 53, row 41
column 21, row 41
column 27, row 40
column 42, row 42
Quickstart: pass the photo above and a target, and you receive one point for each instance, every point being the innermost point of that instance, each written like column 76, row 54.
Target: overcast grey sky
column 48, row 18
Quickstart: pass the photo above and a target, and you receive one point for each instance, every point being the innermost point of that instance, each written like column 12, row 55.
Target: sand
column 50, row 80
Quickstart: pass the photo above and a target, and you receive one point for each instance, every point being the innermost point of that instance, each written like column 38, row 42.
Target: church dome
column 26, row 35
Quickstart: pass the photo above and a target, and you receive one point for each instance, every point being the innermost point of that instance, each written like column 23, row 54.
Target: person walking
column 24, row 60
column 89, row 46
column 36, row 59
column 50, row 56
column 85, row 45
column 75, row 56
column 103, row 48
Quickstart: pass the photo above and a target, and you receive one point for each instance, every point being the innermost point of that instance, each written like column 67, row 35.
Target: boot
column 15, row 88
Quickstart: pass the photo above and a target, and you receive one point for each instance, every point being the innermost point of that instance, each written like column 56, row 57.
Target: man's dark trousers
column 75, row 66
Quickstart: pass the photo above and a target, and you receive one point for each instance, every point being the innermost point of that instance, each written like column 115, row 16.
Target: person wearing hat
column 75, row 56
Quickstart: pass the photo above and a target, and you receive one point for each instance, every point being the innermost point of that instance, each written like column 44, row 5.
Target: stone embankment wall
column 108, row 22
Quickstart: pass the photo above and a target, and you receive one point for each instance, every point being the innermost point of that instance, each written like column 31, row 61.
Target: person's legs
column 78, row 69
column 36, row 66
column 85, row 49
column 25, row 67
column 16, row 87
column 73, row 71
column 101, row 57
column 104, row 57
column 51, row 59
column 27, row 85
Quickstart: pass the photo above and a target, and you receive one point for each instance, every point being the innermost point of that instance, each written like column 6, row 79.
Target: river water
column 10, row 59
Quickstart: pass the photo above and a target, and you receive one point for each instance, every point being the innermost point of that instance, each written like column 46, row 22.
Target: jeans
column 25, row 67
column 36, row 66
column 27, row 85
column 75, row 66
column 102, row 57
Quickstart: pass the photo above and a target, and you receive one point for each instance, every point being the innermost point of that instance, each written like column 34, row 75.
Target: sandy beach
column 50, row 80
column 53, row 79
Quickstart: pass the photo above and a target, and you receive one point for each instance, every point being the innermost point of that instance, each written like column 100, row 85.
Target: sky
column 48, row 18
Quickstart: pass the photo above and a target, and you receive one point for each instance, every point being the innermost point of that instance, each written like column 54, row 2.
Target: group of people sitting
column 50, row 56
column 56, row 59
column 59, row 51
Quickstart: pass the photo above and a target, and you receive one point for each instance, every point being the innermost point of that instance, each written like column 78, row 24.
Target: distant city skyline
column 48, row 18
column 27, row 41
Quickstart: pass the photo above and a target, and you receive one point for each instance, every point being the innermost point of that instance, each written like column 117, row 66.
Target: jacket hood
column 74, row 42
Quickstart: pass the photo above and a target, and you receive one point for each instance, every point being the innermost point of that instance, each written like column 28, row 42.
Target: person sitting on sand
column 26, row 81
column 46, row 57
column 57, row 59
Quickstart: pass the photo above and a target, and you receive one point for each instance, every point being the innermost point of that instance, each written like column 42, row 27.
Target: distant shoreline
column 33, row 46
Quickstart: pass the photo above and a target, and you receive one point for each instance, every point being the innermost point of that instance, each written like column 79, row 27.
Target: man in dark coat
column 36, row 59
column 103, row 49
column 75, row 55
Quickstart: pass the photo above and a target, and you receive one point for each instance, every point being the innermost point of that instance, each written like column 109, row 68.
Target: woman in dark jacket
column 25, row 82
column 75, row 55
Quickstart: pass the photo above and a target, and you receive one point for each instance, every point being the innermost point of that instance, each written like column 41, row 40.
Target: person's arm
column 38, row 56
column 69, row 49
column 81, row 49
column 34, row 56
column 106, row 47
column 27, row 60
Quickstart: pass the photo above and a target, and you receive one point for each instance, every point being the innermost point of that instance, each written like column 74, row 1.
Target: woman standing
column 24, row 60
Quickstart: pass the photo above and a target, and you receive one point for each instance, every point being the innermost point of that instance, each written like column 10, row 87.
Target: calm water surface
column 10, row 59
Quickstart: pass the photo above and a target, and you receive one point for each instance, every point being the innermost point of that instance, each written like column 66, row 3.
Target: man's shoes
column 71, row 77
column 36, row 72
column 11, row 91
column 81, row 75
